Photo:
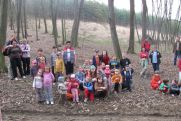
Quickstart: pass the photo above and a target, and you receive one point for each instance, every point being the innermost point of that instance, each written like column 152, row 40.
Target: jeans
column 48, row 93
column 16, row 62
column 177, row 54
column 26, row 65
column 39, row 94
column 75, row 94
column 155, row 66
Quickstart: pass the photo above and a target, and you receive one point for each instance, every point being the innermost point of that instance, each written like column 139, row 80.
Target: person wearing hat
column 69, row 58
column 96, row 60
column 25, row 47
column 116, row 81
column 59, row 68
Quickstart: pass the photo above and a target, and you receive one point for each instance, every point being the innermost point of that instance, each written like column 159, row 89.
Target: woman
column 15, row 54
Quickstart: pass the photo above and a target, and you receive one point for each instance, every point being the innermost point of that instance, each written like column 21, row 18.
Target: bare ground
column 17, row 99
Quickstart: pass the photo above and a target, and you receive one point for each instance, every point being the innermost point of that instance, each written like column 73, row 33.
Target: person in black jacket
column 124, row 62
column 155, row 56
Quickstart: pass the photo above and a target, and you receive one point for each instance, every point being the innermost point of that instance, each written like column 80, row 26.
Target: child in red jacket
column 155, row 81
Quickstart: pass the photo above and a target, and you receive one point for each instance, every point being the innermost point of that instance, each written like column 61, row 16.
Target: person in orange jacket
column 155, row 81
column 116, row 80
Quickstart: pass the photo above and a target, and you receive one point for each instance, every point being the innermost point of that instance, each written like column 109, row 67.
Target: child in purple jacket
column 48, row 79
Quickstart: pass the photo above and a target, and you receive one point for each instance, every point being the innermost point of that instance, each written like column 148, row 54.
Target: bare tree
column 132, row 25
column 25, row 19
column 19, row 4
column 3, row 29
column 75, row 28
column 144, row 19
column 115, row 41
column 44, row 16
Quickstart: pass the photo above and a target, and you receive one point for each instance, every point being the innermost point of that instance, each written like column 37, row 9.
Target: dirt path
column 59, row 117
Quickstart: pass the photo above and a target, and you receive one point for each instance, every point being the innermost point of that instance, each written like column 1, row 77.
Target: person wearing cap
column 155, row 56
column 96, row 59
column 59, row 68
column 177, row 49
column 74, row 88
column 116, row 81
column 69, row 58
column 127, row 74
column 155, row 81
column 53, row 57
column 25, row 47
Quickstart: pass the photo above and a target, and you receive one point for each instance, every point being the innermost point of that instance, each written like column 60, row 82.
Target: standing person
column 15, row 54
column 53, row 57
column 25, row 48
column 69, row 58
column 143, row 60
column 105, row 57
column 124, row 62
column 145, row 44
column 96, row 59
column 177, row 49
column 48, row 79
column 155, row 56
column 38, row 86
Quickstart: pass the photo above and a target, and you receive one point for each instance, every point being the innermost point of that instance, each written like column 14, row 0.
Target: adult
column 69, row 58
column 177, row 49
column 155, row 56
column 105, row 57
column 145, row 44
column 124, row 61
column 96, row 60
column 15, row 54
column 25, row 48
column 143, row 60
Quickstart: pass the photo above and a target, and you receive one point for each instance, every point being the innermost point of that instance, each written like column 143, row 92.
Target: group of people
column 96, row 77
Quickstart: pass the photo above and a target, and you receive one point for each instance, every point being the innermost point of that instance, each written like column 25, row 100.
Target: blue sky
column 124, row 4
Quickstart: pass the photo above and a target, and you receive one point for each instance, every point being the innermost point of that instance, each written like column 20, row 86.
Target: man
column 69, row 58
column 177, row 49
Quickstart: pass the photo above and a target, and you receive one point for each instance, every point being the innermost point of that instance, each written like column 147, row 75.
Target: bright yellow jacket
column 116, row 78
column 59, row 66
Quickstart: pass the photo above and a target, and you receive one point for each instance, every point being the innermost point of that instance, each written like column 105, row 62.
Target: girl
column 48, row 79
column 38, row 86
column 88, row 90
column 74, row 85
column 100, row 87
column 164, row 86
column 34, row 68
column 144, row 61
column 59, row 66
column 155, row 81
column 42, row 63
column 62, row 89
column 107, row 71
column 105, row 57
column 80, row 76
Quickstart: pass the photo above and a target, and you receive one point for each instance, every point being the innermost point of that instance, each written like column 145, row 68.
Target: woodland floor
column 17, row 99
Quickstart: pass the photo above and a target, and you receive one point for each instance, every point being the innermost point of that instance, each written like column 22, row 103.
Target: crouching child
column 62, row 89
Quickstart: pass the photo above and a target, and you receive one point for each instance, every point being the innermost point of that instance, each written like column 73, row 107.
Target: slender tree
column 75, row 28
column 3, row 29
column 144, row 19
column 115, row 41
column 25, row 19
column 19, row 4
column 132, row 25
column 44, row 16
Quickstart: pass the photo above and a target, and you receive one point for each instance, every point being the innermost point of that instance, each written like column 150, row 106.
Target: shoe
column 47, row 102
column 16, row 79
column 52, row 103
column 24, row 77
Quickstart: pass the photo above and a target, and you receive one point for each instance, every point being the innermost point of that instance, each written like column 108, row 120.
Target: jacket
column 155, row 82
column 158, row 56
column 72, row 55
column 89, row 86
column 117, row 78
column 59, row 66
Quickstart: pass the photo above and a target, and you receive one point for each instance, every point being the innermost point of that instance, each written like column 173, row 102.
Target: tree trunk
column 75, row 28
column 39, row 22
column 54, row 19
column 63, row 23
column 131, row 35
column 117, row 49
column 19, row 4
column 44, row 16
column 22, row 29
column 36, row 27
column 25, row 19
column 11, row 16
column 3, row 29
column 144, row 19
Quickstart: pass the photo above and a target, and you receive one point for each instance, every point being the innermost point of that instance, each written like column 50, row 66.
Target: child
column 42, row 63
column 174, row 88
column 116, row 80
column 48, row 79
column 34, row 68
column 127, row 74
column 114, row 64
column 86, row 65
column 164, row 86
column 124, row 61
column 59, row 66
column 107, row 71
column 53, row 57
column 38, row 86
column 144, row 61
column 62, row 89
column 40, row 56
column 155, row 81
column 80, row 76
column 100, row 87
column 88, row 90
column 74, row 85
column 96, row 60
